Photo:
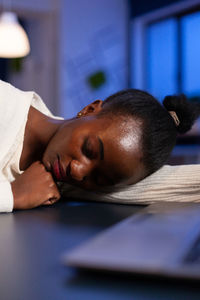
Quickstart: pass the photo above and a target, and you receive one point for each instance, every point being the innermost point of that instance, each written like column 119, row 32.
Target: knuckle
column 56, row 194
column 49, row 178
column 49, row 195
column 53, row 200
column 37, row 163
column 42, row 167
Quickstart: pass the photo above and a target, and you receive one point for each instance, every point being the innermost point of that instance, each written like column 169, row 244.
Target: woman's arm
column 33, row 188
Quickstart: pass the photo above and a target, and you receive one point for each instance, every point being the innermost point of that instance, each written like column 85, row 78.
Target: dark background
column 143, row 6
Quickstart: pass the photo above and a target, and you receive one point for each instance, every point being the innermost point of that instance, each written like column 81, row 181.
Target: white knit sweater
column 170, row 183
column 14, row 107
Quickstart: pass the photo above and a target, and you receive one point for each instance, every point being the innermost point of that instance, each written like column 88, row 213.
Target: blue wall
column 93, row 39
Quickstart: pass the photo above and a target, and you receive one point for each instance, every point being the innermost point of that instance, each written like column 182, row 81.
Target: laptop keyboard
column 194, row 253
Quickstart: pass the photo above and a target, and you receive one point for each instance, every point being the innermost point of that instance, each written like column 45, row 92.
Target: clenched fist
column 34, row 187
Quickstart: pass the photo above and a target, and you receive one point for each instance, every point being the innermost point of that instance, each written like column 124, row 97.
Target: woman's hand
column 34, row 187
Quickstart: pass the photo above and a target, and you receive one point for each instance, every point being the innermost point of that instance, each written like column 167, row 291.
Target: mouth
column 58, row 170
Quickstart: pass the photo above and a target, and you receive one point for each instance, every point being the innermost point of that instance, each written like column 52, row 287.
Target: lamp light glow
column 13, row 38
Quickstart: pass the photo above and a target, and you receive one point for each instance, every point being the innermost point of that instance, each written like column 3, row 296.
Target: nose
column 79, row 170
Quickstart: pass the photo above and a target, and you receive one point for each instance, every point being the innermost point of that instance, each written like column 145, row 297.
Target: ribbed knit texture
column 170, row 183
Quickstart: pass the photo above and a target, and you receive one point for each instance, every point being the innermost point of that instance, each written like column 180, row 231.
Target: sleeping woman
column 110, row 143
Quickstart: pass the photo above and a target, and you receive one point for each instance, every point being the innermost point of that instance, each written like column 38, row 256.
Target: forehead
column 122, row 149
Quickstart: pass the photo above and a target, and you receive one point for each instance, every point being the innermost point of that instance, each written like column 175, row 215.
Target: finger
column 52, row 184
column 55, row 191
column 47, row 203
column 50, row 201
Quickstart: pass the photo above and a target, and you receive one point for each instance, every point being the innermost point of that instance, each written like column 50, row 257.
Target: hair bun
column 187, row 112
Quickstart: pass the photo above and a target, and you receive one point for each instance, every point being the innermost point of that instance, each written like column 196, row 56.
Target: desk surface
column 31, row 244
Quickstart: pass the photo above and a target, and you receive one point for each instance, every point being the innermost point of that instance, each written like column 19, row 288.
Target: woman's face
column 93, row 152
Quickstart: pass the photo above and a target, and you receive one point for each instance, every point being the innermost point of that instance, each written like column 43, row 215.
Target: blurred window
column 173, row 56
column 190, row 29
column 161, row 58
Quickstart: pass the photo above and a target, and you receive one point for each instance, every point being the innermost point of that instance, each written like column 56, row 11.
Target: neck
column 38, row 132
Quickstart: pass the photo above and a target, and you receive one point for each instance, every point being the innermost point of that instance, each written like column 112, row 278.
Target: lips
column 58, row 170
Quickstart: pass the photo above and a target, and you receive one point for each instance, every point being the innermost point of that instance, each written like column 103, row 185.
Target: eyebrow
column 101, row 149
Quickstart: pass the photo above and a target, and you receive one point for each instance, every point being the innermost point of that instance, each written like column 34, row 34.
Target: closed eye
column 88, row 149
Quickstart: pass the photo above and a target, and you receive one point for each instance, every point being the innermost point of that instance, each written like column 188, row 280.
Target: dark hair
column 159, row 129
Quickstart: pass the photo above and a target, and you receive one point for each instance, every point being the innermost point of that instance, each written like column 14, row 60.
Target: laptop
column 162, row 239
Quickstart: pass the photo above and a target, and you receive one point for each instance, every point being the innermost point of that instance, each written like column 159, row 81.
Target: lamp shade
column 13, row 39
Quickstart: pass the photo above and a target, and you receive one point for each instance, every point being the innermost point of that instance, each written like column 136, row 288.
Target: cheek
column 59, row 143
column 53, row 148
column 86, row 185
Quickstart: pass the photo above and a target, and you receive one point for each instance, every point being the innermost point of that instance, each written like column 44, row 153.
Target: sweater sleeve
column 6, row 195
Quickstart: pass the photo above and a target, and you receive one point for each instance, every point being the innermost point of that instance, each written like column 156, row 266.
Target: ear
column 91, row 109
